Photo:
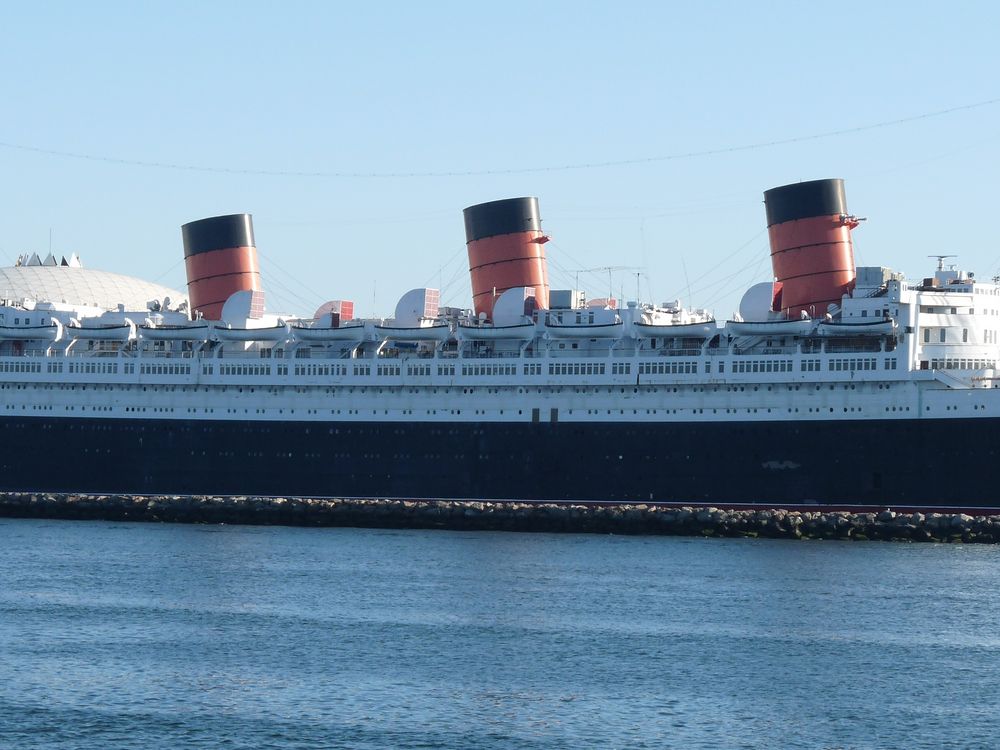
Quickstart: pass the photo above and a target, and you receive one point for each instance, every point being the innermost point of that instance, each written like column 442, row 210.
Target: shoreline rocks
column 639, row 518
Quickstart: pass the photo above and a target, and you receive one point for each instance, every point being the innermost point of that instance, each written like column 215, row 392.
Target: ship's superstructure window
column 853, row 363
column 576, row 368
column 21, row 367
column 494, row 370
column 963, row 364
column 94, row 367
column 781, row 365
column 668, row 368
column 321, row 370
column 256, row 370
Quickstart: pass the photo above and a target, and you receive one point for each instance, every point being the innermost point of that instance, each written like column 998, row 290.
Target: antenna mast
column 941, row 259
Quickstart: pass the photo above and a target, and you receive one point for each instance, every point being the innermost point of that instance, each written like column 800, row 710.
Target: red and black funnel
column 505, row 241
column 809, row 230
column 221, row 258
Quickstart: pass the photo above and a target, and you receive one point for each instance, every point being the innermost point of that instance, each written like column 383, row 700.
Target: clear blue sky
column 386, row 88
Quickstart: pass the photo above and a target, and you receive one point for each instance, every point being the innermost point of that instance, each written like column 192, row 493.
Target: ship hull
column 845, row 464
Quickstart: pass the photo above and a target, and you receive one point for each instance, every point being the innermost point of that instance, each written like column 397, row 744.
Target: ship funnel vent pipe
column 221, row 259
column 505, row 243
column 809, row 229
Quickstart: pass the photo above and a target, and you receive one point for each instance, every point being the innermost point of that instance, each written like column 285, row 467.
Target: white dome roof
column 81, row 286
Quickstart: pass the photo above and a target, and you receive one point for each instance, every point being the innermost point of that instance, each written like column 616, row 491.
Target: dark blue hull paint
column 905, row 463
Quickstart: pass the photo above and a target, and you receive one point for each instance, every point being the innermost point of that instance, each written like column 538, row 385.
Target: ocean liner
column 834, row 385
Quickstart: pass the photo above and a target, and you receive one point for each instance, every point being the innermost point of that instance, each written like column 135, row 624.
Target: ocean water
column 169, row 636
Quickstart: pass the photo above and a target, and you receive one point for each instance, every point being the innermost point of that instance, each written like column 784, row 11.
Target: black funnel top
column 502, row 217
column 803, row 200
column 217, row 233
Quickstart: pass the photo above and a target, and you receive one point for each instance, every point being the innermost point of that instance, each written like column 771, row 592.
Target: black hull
column 901, row 463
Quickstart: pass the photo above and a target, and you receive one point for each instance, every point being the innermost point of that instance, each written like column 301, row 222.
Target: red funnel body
column 221, row 259
column 505, row 241
column 811, row 251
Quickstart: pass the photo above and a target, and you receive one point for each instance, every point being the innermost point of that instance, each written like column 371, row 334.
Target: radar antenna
column 941, row 259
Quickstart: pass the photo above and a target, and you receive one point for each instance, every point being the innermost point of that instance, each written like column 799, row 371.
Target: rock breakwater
column 508, row 516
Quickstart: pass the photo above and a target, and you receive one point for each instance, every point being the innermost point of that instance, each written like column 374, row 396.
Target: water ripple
column 161, row 636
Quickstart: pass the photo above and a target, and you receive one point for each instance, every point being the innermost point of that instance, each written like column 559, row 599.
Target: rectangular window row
column 21, row 367
column 781, row 365
column 853, row 363
column 255, row 370
column 321, row 370
column 963, row 364
column 493, row 370
column 107, row 368
column 576, row 368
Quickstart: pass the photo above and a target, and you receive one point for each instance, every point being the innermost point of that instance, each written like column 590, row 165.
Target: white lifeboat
column 770, row 327
column 120, row 332
column 439, row 332
column 702, row 330
column 326, row 333
column 271, row 333
column 175, row 333
column 521, row 332
column 32, row 333
column 596, row 331
column 873, row 328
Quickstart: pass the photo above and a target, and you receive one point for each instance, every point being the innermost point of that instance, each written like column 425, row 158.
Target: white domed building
column 66, row 284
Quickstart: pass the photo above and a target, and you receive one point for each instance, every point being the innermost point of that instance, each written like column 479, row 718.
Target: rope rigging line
column 485, row 172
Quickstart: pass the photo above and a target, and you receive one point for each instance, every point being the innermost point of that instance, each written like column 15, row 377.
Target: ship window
column 965, row 335
column 927, row 335
column 942, row 334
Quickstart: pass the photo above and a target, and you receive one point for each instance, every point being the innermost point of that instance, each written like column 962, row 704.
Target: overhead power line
column 486, row 172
